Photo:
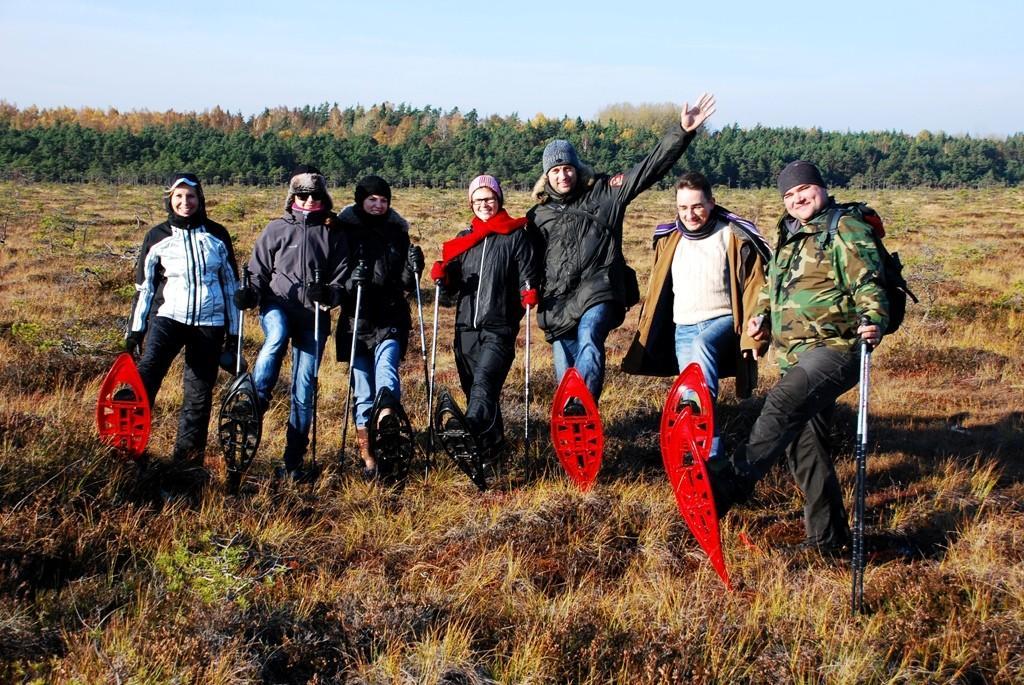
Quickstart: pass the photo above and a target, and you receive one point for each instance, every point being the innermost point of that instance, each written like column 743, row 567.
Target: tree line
column 434, row 148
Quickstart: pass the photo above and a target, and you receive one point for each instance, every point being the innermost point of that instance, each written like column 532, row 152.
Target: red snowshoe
column 122, row 411
column 687, row 429
column 576, row 431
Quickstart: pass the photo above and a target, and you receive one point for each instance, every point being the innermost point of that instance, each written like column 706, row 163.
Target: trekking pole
column 526, row 384
column 423, row 353
column 351, row 360
column 433, row 364
column 861, row 458
column 316, row 364
column 241, row 324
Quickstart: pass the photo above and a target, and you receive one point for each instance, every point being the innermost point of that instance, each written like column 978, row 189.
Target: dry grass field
column 109, row 574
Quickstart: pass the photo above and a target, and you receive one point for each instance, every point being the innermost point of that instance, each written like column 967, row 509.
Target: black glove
column 361, row 275
column 133, row 342
column 322, row 293
column 416, row 261
column 246, row 298
column 229, row 355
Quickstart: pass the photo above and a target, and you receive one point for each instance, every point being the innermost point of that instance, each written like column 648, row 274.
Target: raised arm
column 669, row 149
column 690, row 118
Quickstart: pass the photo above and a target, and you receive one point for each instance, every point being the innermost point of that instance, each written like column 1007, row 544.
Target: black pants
column 164, row 340
column 795, row 421
column 483, row 359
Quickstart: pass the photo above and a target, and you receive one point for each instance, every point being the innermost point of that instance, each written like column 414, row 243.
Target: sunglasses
column 305, row 196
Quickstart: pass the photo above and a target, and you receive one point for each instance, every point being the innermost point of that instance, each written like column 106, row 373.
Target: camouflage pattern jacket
column 818, row 288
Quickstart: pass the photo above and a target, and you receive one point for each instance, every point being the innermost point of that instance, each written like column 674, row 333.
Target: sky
column 853, row 66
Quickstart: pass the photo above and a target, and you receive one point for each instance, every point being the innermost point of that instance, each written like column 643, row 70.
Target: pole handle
column 864, row 321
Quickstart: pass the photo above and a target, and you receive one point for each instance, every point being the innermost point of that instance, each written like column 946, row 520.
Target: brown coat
column 652, row 352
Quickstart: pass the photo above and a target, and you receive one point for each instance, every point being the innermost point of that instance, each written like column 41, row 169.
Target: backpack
column 896, row 288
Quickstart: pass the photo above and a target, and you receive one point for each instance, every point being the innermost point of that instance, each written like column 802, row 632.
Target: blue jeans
column 369, row 378
column 281, row 326
column 584, row 347
column 708, row 343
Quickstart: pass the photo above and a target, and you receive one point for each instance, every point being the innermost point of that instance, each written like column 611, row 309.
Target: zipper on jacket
column 479, row 284
column 192, row 269
column 305, row 260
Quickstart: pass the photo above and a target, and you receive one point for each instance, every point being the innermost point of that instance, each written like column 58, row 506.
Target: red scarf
column 500, row 223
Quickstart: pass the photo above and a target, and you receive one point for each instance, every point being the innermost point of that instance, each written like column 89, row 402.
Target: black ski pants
column 483, row 359
column 795, row 421
column 164, row 340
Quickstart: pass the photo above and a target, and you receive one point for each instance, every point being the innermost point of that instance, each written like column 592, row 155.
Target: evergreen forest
column 429, row 147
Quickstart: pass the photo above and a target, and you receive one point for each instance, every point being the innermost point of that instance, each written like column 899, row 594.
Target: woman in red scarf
column 488, row 272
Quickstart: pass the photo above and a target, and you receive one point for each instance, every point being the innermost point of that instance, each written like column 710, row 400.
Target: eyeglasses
column 485, row 201
column 302, row 197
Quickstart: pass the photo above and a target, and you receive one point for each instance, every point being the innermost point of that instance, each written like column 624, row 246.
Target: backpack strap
column 835, row 216
column 824, row 239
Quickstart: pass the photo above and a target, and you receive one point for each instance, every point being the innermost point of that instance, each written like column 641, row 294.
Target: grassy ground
column 112, row 575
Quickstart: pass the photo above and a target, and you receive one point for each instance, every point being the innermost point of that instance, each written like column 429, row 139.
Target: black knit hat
column 372, row 185
column 798, row 173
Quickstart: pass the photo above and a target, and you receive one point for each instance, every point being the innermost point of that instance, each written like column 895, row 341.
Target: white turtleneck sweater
column 700, row 278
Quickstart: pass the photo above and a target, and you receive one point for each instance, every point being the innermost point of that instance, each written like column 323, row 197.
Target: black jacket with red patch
column 578, row 238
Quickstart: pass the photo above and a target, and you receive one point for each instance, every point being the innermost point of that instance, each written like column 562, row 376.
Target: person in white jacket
column 185, row 279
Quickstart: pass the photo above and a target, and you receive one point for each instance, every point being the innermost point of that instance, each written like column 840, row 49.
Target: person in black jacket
column 185, row 279
column 576, row 227
column 387, row 266
column 288, row 254
column 489, row 273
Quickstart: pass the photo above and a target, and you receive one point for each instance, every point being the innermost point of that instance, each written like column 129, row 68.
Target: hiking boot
column 369, row 463
column 189, row 457
column 692, row 400
column 693, row 405
column 295, row 474
column 574, row 408
column 727, row 486
column 496, row 450
column 124, row 395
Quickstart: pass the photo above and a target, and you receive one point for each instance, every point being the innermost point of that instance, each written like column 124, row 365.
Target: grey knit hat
column 798, row 173
column 559, row 152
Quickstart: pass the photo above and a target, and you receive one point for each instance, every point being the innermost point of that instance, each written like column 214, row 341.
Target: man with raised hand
column 576, row 227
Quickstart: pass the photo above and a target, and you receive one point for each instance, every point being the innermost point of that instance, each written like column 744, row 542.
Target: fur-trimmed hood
column 308, row 182
column 585, row 176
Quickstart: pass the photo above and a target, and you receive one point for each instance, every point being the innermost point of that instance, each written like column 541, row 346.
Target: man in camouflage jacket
column 820, row 287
